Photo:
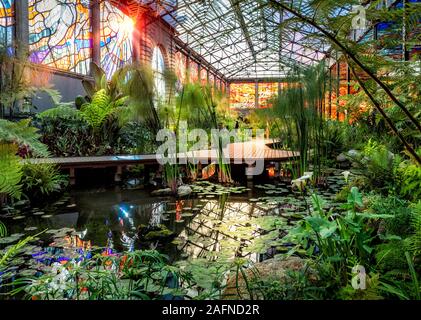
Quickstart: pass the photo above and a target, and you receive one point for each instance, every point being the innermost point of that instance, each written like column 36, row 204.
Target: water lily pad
column 46, row 216
column 31, row 228
column 38, row 213
column 27, row 273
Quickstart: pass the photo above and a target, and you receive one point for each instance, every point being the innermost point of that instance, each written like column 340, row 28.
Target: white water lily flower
column 299, row 183
column 346, row 175
column 307, row 175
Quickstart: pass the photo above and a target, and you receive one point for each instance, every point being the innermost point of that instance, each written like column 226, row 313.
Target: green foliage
column 11, row 171
column 3, row 230
column 65, row 132
column 389, row 256
column 41, row 180
column 377, row 165
column 337, row 239
column 371, row 292
column 415, row 239
column 137, row 139
column 98, row 110
column 409, row 180
column 63, row 111
column 296, row 112
column 138, row 275
column 8, row 255
column 22, row 134
column 400, row 223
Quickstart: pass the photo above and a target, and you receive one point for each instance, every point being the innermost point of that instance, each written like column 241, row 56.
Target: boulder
column 162, row 192
column 341, row 158
column 184, row 191
column 353, row 153
column 273, row 269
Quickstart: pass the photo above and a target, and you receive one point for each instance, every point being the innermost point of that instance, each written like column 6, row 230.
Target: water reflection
column 196, row 228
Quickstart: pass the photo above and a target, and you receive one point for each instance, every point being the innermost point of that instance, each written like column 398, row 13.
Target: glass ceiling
column 242, row 38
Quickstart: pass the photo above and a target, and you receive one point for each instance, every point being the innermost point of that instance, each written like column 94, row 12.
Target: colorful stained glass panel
column 60, row 34
column 180, row 67
column 266, row 92
column 116, row 38
column 211, row 79
column 203, row 76
column 194, row 71
column 6, row 22
column 242, row 95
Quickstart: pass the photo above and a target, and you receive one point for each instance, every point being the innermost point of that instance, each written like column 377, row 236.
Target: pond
column 216, row 222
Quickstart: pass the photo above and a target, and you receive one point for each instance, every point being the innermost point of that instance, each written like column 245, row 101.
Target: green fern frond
column 11, row 171
column 23, row 134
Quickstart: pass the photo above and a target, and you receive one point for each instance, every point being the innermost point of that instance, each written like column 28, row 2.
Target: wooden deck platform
column 237, row 153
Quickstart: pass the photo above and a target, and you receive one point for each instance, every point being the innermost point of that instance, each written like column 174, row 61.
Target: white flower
column 301, row 182
column 346, row 175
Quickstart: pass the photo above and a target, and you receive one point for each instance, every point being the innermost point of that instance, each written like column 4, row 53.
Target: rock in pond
column 184, row 191
column 162, row 192
column 272, row 270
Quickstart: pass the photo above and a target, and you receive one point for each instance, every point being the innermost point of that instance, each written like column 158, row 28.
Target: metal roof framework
column 246, row 39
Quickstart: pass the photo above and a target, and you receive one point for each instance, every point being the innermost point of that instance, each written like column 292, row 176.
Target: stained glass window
column 116, row 38
column 6, row 22
column 158, row 67
column 203, row 76
column 218, row 83
column 193, row 71
column 60, row 34
column 180, row 67
column 211, row 79
column 242, row 95
column 266, row 92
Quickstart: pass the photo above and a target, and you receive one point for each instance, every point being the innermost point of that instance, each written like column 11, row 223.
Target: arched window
column 158, row 67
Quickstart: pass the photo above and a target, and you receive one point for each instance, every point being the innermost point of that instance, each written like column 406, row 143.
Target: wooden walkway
column 237, row 153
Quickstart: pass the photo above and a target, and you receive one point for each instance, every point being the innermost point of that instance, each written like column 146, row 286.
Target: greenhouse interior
column 210, row 150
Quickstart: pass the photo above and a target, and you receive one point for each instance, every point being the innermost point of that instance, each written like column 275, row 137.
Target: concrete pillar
column 22, row 28
column 96, row 31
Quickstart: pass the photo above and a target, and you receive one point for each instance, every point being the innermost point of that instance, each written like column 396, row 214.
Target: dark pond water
column 214, row 221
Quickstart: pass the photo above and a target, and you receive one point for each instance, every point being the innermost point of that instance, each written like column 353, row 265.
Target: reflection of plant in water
column 3, row 230
column 135, row 275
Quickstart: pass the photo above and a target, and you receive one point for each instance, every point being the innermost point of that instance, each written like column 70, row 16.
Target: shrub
column 65, row 132
column 409, row 180
column 11, row 172
column 400, row 223
column 40, row 180
column 389, row 256
column 135, row 137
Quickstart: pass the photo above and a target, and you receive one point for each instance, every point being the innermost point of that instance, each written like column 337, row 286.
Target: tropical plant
column 11, row 172
column 336, row 239
column 377, row 165
column 138, row 275
column 23, row 135
column 296, row 112
column 65, row 132
column 100, row 108
column 41, row 180
column 409, row 180
column 3, row 230
column 373, row 71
